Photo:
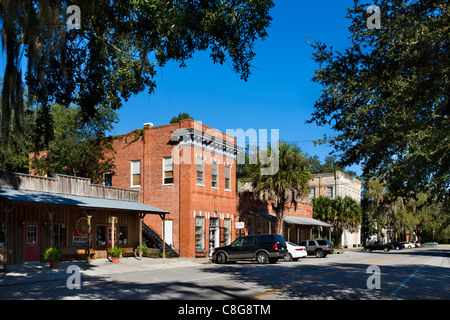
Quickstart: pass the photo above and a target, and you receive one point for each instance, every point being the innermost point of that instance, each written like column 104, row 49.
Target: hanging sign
column 239, row 225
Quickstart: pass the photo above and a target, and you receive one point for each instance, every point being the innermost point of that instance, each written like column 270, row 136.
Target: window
column 330, row 192
column 227, row 231
column 32, row 234
column 312, row 193
column 168, row 170
column 214, row 173
column 249, row 241
column 200, row 171
column 123, row 236
column 2, row 235
column 107, row 179
column 227, row 178
column 199, row 233
column 135, row 173
column 59, row 235
column 101, row 236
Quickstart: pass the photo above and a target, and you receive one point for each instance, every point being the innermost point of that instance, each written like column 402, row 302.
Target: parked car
column 260, row 247
column 320, row 247
column 430, row 243
column 378, row 246
column 407, row 244
column 397, row 245
column 416, row 244
column 294, row 252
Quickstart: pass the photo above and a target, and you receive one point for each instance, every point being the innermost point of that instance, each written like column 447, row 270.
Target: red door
column 32, row 242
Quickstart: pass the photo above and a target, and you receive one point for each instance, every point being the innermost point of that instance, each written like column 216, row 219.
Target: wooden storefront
column 37, row 213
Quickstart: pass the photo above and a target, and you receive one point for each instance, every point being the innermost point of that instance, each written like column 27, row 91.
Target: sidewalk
column 39, row 272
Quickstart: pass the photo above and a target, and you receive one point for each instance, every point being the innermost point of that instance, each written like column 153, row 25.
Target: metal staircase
column 156, row 239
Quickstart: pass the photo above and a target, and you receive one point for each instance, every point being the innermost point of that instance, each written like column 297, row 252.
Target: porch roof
column 292, row 219
column 56, row 199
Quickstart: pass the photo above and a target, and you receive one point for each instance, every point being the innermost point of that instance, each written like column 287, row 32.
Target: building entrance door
column 214, row 234
column 32, row 247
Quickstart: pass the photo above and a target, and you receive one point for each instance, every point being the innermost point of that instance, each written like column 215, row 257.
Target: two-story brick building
column 188, row 169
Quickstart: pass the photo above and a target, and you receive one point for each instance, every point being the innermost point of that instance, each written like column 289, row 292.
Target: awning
column 292, row 219
column 55, row 199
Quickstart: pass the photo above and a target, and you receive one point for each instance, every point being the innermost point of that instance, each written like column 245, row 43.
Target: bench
column 128, row 252
column 150, row 252
column 72, row 253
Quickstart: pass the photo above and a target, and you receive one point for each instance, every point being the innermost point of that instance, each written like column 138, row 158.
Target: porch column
column 113, row 220
column 51, row 213
column 141, row 221
column 164, row 235
column 8, row 210
column 89, row 216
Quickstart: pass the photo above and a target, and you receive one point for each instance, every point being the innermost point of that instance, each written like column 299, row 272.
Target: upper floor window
column 200, row 171
column 214, row 174
column 168, row 170
column 135, row 173
column 227, row 177
column 107, row 179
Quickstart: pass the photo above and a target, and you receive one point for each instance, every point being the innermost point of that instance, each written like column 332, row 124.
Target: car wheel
column 262, row 258
column 221, row 258
column 319, row 253
column 287, row 257
column 386, row 249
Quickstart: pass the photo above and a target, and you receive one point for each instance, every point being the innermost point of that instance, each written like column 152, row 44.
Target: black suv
column 260, row 247
column 320, row 247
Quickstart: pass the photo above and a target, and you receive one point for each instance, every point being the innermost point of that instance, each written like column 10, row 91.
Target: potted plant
column 143, row 249
column 52, row 255
column 115, row 253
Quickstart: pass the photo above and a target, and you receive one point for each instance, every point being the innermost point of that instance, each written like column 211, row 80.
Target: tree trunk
column 279, row 225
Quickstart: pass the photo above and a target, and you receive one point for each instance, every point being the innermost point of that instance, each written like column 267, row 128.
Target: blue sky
column 278, row 95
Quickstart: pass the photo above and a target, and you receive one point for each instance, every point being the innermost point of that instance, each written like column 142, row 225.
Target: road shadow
column 291, row 280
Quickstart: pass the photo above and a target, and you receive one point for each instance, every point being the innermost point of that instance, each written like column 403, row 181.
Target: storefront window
column 199, row 233
column 101, row 235
column 59, row 235
column 123, row 236
column 2, row 235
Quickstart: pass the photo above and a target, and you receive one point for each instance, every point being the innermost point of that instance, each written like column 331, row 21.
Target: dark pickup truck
column 378, row 246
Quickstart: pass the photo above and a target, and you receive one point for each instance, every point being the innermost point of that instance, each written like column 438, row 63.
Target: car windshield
column 292, row 244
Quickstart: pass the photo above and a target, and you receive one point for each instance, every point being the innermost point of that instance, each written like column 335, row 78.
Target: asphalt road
column 409, row 274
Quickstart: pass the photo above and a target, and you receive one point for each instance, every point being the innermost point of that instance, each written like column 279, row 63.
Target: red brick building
column 188, row 169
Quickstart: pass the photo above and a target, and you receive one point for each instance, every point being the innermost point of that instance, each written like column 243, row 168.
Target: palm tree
column 284, row 186
column 342, row 213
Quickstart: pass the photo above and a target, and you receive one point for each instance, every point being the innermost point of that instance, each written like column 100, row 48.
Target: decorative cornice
column 190, row 137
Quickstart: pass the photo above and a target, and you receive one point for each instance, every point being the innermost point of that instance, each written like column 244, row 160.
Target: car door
column 311, row 247
column 234, row 251
column 248, row 247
